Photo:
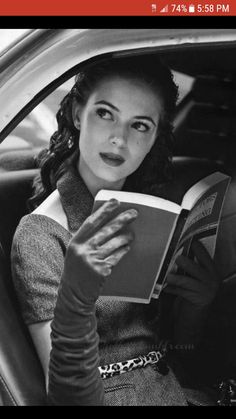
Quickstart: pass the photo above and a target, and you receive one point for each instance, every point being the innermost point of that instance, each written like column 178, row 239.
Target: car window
column 185, row 84
column 35, row 130
column 8, row 37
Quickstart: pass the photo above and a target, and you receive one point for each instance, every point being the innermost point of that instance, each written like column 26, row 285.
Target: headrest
column 19, row 159
column 186, row 172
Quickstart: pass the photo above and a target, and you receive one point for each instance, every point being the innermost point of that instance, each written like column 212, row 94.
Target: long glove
column 74, row 377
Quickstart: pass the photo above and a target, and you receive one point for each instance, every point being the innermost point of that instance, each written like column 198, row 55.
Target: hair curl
column 155, row 168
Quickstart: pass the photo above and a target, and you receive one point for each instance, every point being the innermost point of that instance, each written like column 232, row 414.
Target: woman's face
column 118, row 126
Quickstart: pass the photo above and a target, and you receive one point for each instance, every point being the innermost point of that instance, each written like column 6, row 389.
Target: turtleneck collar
column 76, row 199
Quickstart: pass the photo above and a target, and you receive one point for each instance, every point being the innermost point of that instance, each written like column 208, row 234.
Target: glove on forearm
column 74, row 377
column 73, row 371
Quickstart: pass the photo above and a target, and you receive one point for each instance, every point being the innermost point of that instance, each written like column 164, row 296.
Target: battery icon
column 191, row 8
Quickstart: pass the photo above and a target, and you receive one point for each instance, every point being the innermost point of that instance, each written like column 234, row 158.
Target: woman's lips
column 112, row 159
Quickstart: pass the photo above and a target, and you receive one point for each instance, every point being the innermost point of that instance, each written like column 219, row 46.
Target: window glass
column 184, row 82
column 35, row 130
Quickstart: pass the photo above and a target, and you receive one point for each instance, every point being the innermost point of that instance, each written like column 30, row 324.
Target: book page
column 134, row 277
column 196, row 191
column 139, row 199
column 203, row 220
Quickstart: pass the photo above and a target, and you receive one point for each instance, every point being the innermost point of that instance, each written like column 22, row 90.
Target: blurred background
column 36, row 129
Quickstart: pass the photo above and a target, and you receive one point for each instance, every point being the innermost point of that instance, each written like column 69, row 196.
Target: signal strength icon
column 165, row 9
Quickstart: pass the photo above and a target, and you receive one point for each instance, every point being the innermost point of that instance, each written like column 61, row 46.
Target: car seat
column 21, row 376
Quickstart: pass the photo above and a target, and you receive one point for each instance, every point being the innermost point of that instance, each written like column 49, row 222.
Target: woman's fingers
column 200, row 282
column 198, row 292
column 203, row 257
column 182, row 281
column 204, row 269
column 189, row 289
column 180, row 292
column 115, row 243
column 116, row 256
column 190, row 296
column 190, row 267
column 104, row 266
column 102, row 240
column 97, row 219
column 112, row 227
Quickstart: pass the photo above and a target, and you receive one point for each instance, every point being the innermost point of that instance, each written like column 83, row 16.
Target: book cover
column 202, row 206
column 162, row 230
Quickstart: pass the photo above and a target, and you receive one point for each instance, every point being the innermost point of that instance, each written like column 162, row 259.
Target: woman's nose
column 118, row 139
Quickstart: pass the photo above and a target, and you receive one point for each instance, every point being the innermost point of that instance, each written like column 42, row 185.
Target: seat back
column 21, row 376
column 15, row 189
column 225, row 255
column 186, row 172
column 205, row 123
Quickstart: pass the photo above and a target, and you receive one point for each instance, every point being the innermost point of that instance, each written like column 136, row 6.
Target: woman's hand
column 195, row 292
column 200, row 283
column 99, row 244
column 96, row 248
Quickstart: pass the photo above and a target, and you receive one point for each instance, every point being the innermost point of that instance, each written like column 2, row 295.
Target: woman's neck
column 94, row 183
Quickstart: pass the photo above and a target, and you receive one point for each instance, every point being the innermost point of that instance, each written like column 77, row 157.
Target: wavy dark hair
column 63, row 149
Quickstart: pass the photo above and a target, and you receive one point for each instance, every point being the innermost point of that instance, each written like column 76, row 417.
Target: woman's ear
column 76, row 110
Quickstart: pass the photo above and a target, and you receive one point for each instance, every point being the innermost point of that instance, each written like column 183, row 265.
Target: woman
column 114, row 132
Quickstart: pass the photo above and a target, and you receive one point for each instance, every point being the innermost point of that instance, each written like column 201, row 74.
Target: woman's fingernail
column 133, row 213
column 113, row 203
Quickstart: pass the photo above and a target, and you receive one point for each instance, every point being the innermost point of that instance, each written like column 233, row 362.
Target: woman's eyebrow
column 104, row 102
column 146, row 117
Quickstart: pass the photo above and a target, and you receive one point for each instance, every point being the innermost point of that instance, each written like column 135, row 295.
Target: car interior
column 204, row 131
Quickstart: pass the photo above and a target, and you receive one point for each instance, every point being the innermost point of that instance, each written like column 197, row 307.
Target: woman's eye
column 104, row 113
column 140, row 126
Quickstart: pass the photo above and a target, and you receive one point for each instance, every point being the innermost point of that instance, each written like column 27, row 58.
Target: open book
column 163, row 230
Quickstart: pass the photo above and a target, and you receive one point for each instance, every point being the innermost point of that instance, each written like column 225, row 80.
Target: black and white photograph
column 118, row 216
